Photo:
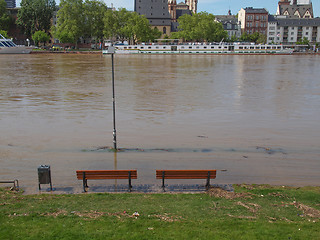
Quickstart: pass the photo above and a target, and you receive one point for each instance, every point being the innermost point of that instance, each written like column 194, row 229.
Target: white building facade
column 291, row 31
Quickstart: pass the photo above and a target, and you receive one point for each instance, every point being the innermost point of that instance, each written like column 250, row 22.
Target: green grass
column 252, row 212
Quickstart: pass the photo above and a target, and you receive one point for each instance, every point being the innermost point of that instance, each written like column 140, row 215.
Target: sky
column 218, row 7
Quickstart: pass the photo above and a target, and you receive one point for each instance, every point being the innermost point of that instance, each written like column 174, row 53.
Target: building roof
column 301, row 22
column 155, row 11
column 181, row 12
column 290, row 10
column 227, row 18
column 255, row 10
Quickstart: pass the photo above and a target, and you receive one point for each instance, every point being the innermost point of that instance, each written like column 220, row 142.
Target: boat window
column 182, row 47
column 190, row 47
column 135, row 47
column 263, row 47
column 219, row 47
column 212, row 47
column 257, row 47
column 149, row 47
column 251, row 47
column 11, row 44
column 205, row 47
column 278, row 47
column 274, row 47
column 5, row 44
column 197, row 47
column 268, row 47
column 157, row 47
column 164, row 47
column 226, row 47
column 240, row 47
column 142, row 47
column 126, row 47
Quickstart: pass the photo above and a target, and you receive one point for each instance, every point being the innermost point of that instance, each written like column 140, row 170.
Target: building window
column 257, row 17
column 164, row 30
column 307, row 33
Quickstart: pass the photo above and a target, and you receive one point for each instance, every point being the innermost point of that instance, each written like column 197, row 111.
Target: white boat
column 9, row 47
column 213, row 48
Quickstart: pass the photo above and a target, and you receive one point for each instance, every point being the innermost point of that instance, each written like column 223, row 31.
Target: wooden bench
column 84, row 175
column 186, row 174
column 15, row 183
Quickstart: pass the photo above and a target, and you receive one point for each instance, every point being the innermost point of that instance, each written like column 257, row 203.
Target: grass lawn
column 251, row 212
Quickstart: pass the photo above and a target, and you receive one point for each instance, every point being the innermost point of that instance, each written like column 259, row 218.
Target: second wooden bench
column 84, row 175
column 186, row 174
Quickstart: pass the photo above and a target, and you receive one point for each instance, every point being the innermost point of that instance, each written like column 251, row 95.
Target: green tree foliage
column 303, row 41
column 36, row 15
column 4, row 33
column 125, row 25
column 255, row 37
column 94, row 13
column 70, row 23
column 200, row 27
column 40, row 36
column 5, row 19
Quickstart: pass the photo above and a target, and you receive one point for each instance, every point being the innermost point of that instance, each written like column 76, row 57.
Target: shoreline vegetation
column 250, row 212
column 100, row 52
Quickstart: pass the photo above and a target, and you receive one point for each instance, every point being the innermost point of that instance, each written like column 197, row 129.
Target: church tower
column 192, row 5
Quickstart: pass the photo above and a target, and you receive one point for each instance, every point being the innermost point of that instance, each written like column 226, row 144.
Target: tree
column 4, row 33
column 94, row 13
column 233, row 38
column 40, row 36
column 303, row 41
column 70, row 21
column 255, row 37
column 5, row 19
column 200, row 27
column 125, row 25
column 36, row 15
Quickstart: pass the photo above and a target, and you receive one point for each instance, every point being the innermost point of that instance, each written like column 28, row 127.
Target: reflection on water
column 52, row 105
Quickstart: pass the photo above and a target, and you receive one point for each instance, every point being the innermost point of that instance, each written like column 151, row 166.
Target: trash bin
column 44, row 175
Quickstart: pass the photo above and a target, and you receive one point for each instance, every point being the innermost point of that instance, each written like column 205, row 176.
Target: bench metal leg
column 163, row 187
column 130, row 186
column 84, row 181
column 208, row 181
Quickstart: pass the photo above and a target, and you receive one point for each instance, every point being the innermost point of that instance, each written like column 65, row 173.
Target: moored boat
column 218, row 48
column 7, row 46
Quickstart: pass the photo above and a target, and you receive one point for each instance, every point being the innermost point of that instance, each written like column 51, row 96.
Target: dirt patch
column 252, row 208
column 166, row 218
column 243, row 217
column 308, row 211
column 220, row 193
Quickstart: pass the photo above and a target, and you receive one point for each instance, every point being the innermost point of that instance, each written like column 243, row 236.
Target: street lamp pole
column 113, row 104
column 111, row 50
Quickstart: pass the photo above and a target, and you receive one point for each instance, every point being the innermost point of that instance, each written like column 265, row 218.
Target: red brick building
column 253, row 20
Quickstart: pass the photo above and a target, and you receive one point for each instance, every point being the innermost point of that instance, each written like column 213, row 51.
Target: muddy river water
column 258, row 117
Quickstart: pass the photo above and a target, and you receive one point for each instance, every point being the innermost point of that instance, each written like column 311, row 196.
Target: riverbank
column 250, row 212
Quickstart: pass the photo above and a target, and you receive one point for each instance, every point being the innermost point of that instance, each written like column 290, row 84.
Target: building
column 11, row 3
column 156, row 12
column 253, row 20
column 230, row 24
column 291, row 30
column 177, row 10
column 295, row 8
column 193, row 5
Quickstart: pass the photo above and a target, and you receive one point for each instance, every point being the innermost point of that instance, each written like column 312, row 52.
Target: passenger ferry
column 218, row 48
column 9, row 47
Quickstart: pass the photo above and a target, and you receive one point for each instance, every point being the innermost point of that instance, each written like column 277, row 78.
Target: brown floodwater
column 258, row 117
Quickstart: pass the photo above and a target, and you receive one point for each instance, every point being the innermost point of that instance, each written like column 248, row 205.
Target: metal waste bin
column 44, row 175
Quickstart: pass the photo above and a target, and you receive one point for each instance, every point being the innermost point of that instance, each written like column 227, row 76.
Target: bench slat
column 106, row 174
column 186, row 174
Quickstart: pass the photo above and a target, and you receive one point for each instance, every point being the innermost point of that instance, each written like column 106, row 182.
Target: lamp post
column 111, row 50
